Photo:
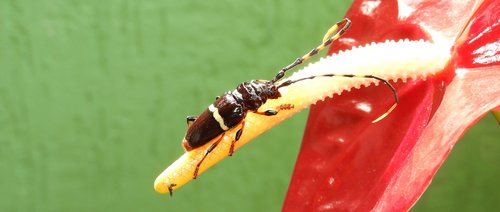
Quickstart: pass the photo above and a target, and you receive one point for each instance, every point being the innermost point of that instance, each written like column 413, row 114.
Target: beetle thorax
column 255, row 93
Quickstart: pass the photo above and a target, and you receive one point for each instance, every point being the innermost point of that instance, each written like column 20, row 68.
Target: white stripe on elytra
column 217, row 117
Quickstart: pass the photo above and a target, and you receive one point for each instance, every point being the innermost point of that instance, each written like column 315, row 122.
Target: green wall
column 94, row 95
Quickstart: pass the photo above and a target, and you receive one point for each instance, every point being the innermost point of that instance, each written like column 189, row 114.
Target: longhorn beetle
column 230, row 109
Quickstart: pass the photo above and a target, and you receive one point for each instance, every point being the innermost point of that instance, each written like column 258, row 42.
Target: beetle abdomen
column 219, row 117
column 204, row 129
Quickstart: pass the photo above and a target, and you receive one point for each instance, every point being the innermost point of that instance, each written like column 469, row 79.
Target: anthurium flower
column 306, row 87
column 348, row 163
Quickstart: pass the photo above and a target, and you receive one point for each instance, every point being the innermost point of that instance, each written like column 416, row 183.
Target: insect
column 229, row 110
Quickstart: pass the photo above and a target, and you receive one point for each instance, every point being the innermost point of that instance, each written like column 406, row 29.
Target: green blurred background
column 94, row 95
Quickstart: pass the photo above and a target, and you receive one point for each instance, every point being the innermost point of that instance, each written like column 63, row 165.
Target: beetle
column 229, row 110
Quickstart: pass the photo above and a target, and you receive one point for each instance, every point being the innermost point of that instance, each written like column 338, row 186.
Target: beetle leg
column 274, row 112
column 268, row 112
column 285, row 107
column 212, row 147
column 237, row 137
column 171, row 188
column 191, row 119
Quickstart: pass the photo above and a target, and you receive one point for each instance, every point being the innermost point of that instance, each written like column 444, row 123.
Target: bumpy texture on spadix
column 391, row 60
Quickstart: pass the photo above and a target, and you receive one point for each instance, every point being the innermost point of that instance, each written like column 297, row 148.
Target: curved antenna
column 394, row 92
column 331, row 35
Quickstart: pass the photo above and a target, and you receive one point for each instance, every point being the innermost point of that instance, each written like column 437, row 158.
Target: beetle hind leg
column 210, row 149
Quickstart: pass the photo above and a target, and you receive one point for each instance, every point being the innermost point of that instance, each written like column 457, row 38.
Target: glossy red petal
column 347, row 163
column 480, row 46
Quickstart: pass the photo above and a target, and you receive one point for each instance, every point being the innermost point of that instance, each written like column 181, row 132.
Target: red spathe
column 348, row 163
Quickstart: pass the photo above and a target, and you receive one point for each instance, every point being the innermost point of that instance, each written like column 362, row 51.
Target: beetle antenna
column 394, row 92
column 331, row 35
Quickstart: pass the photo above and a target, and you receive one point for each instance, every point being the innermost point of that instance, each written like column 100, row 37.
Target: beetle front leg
column 274, row 112
column 268, row 112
